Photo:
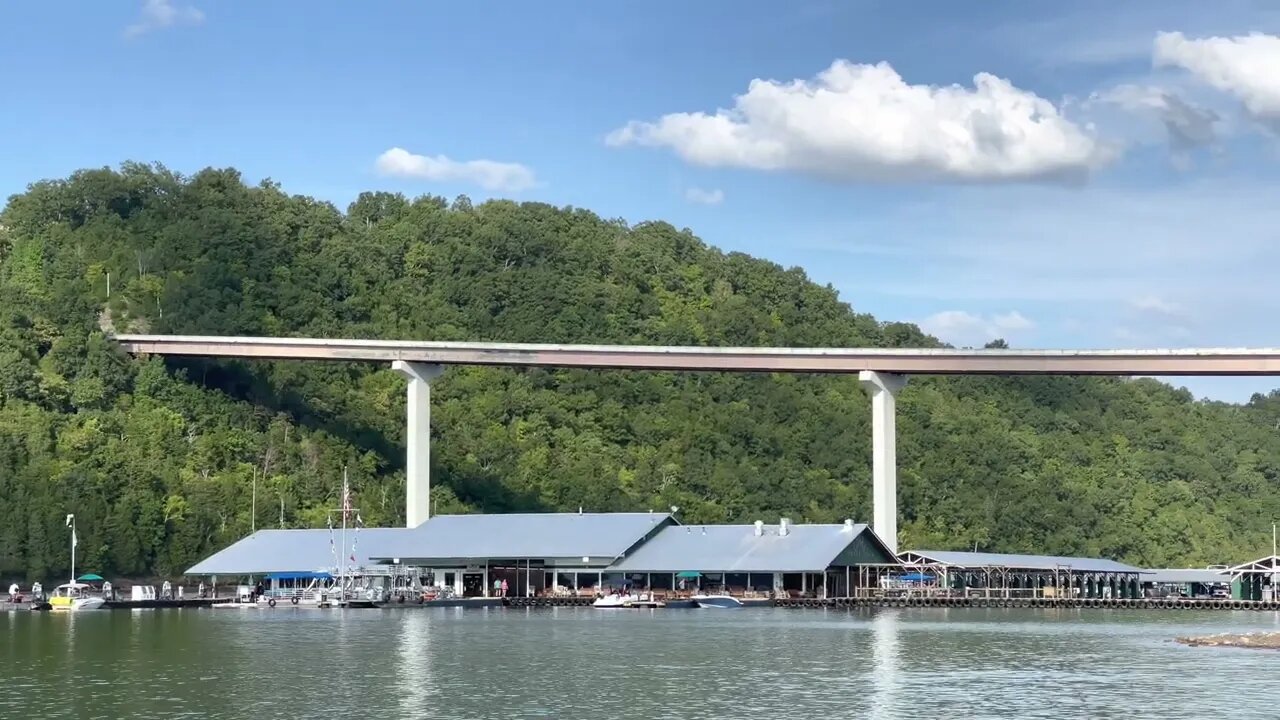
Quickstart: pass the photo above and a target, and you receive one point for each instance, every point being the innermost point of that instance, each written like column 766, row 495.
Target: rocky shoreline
column 1257, row 640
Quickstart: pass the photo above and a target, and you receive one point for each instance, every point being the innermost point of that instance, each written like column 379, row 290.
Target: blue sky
column 1086, row 174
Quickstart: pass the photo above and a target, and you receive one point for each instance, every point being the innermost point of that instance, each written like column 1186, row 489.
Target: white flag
column 70, row 517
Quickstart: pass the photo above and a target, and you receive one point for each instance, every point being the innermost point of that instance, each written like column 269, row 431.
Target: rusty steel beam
column 1240, row 361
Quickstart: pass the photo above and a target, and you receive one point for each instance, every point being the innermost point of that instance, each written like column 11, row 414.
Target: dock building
column 1186, row 582
column 1023, row 576
column 536, row 553
column 761, row 560
column 573, row 554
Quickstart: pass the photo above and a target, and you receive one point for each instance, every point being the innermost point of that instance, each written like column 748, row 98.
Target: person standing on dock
column 504, row 587
column 37, row 591
column 497, row 587
column 13, row 592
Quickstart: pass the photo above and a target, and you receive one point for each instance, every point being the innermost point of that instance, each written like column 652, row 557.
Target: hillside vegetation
column 158, row 458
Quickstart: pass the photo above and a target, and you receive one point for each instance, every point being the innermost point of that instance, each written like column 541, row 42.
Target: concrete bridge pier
column 884, row 452
column 417, row 500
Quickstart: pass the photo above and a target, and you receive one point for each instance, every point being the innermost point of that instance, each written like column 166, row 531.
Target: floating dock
column 792, row 603
column 1056, row 603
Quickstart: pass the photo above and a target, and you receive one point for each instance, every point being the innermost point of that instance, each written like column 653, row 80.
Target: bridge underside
column 882, row 371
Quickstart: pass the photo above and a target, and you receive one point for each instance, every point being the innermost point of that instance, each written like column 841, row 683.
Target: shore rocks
column 1258, row 640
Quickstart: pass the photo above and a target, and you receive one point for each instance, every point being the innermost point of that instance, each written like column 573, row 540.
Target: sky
column 1060, row 175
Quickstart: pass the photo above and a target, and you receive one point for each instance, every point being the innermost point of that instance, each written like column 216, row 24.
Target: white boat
column 718, row 602
column 245, row 600
column 629, row 600
column 74, row 596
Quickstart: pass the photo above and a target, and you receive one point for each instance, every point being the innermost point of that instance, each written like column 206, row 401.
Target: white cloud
column 959, row 327
column 1246, row 67
column 859, row 123
column 488, row 174
column 160, row 14
column 1154, row 305
column 1189, row 126
column 704, row 197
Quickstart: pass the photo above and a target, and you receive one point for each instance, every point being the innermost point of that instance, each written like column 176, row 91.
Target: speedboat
column 74, row 596
column 718, row 602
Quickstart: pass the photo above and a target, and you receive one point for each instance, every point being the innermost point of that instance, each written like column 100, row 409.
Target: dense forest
column 158, row 459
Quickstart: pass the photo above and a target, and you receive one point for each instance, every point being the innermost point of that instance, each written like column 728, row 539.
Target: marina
column 651, row 561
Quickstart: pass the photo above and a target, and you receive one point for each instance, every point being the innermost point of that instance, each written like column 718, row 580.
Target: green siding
column 864, row 550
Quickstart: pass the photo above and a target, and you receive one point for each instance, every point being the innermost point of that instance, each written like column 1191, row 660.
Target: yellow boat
column 74, row 597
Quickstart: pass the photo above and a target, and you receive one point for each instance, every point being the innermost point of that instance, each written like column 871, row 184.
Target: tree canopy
column 158, row 459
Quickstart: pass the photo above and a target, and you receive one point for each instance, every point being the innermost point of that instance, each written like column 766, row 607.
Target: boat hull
column 716, row 602
column 76, row 605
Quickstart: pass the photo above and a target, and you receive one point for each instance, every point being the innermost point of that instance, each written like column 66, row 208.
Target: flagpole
column 71, row 521
column 342, row 572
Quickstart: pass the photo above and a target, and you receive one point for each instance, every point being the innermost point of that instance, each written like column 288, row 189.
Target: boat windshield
column 73, row 591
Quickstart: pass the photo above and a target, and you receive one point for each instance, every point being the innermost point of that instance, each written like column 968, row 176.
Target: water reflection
column 884, row 653
column 414, row 656
column 579, row 662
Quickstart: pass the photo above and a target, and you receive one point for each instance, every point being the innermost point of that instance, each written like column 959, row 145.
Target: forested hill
column 158, row 459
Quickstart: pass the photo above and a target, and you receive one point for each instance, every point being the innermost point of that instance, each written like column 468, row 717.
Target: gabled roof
column 964, row 559
column 1173, row 576
column 268, row 551
column 520, row 536
column 737, row 548
column 1269, row 564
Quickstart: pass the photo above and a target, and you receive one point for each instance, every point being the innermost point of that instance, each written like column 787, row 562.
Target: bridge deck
column 1197, row 361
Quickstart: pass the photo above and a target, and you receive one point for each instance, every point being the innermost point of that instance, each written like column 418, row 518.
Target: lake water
column 585, row 663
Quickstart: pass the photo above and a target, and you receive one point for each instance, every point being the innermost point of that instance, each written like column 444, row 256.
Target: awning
column 689, row 574
column 298, row 576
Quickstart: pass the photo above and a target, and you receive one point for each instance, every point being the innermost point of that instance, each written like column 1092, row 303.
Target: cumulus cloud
column 1246, row 67
column 865, row 123
column 160, row 14
column 704, row 197
column 1189, row 126
column 488, row 174
column 959, row 327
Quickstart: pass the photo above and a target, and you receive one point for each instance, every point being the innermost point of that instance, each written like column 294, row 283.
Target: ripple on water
column 578, row 662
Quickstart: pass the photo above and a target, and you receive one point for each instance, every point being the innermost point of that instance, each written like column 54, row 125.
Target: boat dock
column 1054, row 603
column 791, row 603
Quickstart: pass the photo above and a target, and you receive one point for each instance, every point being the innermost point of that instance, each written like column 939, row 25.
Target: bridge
column 882, row 371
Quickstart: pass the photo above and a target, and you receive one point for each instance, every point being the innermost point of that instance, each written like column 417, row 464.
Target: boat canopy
column 90, row 577
column 299, row 576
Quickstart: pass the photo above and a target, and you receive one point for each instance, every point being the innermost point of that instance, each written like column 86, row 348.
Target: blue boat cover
column 299, row 576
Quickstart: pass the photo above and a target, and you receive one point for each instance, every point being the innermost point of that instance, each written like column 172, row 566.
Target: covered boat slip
column 758, row 560
column 534, row 553
column 951, row 573
column 1256, row 580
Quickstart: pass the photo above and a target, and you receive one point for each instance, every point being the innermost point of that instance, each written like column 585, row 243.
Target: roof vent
column 759, row 528
column 784, row 526
column 848, row 525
